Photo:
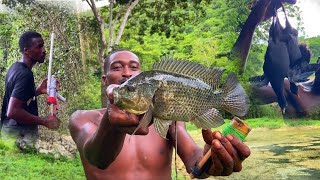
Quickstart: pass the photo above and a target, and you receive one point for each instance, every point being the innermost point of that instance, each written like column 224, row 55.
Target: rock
column 59, row 145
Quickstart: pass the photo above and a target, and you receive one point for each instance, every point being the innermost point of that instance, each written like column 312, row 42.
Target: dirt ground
column 279, row 154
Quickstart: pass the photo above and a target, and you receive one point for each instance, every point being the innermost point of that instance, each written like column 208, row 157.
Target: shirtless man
column 102, row 137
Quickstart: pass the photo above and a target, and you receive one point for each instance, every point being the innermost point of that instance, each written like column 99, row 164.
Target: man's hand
column 124, row 122
column 42, row 87
column 52, row 123
column 227, row 153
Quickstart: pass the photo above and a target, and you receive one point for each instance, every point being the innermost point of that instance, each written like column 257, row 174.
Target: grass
column 15, row 165
column 271, row 123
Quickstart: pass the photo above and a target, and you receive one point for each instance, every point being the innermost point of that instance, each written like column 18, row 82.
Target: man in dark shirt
column 19, row 115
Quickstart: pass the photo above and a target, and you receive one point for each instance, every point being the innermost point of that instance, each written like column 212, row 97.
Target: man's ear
column 25, row 51
column 104, row 79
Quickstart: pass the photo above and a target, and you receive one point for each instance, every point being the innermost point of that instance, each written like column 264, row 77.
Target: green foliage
column 14, row 3
column 87, row 96
column 17, row 165
column 314, row 45
column 200, row 31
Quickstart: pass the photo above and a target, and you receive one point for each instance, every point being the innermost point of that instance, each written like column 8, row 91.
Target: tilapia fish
column 180, row 90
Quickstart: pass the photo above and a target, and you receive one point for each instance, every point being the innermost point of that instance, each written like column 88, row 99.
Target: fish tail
column 234, row 98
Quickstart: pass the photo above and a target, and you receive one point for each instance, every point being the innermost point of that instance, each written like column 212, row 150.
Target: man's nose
column 127, row 72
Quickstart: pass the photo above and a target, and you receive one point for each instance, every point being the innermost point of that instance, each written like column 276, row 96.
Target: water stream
column 279, row 154
column 286, row 153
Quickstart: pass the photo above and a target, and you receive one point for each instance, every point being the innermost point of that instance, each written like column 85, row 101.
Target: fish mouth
column 124, row 105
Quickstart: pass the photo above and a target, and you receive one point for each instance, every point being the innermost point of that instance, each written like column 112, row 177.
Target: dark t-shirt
column 19, row 84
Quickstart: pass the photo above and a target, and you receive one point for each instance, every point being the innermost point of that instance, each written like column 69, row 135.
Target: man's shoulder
column 81, row 113
column 84, row 116
column 19, row 66
column 19, row 70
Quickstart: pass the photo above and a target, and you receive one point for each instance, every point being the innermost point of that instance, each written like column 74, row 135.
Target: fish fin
column 215, row 76
column 209, row 119
column 145, row 121
column 161, row 126
column 235, row 100
column 211, row 76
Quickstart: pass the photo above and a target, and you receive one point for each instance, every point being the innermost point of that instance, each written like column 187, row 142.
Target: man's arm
column 187, row 149
column 101, row 143
column 95, row 141
column 16, row 112
column 42, row 88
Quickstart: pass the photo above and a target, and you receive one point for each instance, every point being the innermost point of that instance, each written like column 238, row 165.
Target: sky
column 310, row 13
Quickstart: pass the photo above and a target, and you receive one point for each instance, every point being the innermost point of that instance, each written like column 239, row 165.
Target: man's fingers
column 216, row 167
column 207, row 136
column 110, row 91
column 242, row 149
column 223, row 156
column 232, row 152
column 58, row 85
column 121, row 118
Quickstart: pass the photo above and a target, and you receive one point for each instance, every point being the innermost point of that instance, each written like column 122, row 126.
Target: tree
column 114, row 38
column 14, row 3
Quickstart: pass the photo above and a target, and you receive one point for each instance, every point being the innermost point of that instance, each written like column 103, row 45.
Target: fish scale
column 179, row 90
column 181, row 105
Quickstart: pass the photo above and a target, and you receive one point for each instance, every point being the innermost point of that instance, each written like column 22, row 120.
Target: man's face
column 36, row 52
column 122, row 65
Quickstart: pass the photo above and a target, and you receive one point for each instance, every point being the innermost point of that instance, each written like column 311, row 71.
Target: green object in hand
column 236, row 128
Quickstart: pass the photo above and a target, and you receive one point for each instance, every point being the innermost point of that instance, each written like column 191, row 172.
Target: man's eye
column 135, row 68
column 116, row 68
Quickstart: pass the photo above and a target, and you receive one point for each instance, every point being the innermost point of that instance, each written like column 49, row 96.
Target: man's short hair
column 25, row 40
column 107, row 59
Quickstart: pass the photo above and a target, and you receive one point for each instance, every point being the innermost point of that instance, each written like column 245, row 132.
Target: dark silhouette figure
column 307, row 99
column 285, row 58
column 277, row 61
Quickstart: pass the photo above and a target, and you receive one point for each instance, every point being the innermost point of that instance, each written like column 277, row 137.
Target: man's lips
column 123, row 80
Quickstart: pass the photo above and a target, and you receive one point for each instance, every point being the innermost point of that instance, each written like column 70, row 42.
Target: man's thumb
column 207, row 136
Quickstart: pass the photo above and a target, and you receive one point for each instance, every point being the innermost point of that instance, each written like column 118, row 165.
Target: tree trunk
column 111, row 27
column 124, row 20
column 103, row 44
column 82, row 47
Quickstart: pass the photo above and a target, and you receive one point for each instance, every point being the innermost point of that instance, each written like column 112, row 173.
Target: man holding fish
column 104, row 137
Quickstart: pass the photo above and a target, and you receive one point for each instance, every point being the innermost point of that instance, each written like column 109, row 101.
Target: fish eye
column 130, row 88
